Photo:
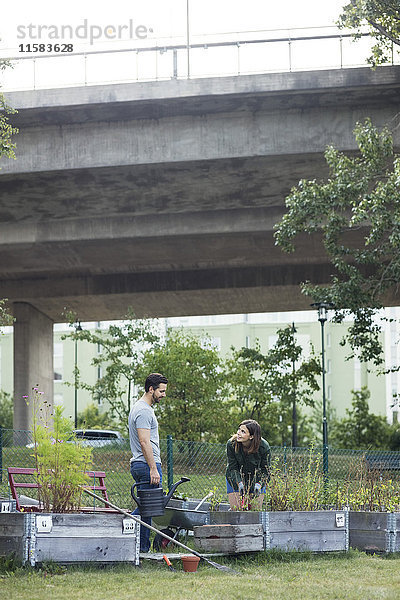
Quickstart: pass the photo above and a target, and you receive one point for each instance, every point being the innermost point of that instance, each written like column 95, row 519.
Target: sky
column 97, row 27
column 166, row 19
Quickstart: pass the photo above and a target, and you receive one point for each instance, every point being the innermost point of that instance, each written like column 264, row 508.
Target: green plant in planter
column 215, row 498
column 369, row 490
column 61, row 461
column 296, row 487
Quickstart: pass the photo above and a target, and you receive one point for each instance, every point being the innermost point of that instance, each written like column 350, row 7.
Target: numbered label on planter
column 44, row 524
column 339, row 519
column 128, row 526
column 5, row 507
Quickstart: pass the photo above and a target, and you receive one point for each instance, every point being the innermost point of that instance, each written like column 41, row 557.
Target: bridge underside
column 163, row 196
column 192, row 238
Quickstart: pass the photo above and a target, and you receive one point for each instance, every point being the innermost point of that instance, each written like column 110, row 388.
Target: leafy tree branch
column 356, row 212
column 383, row 19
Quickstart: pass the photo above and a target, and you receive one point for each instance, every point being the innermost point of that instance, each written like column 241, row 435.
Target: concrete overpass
column 163, row 195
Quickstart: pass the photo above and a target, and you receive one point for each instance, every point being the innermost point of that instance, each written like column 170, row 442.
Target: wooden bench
column 382, row 462
column 98, row 485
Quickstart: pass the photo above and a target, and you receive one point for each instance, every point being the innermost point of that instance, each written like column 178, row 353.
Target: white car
column 95, row 437
column 98, row 437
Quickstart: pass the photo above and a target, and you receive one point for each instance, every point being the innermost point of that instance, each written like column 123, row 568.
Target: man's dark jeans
column 140, row 471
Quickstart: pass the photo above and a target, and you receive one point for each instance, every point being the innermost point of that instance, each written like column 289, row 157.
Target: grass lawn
column 274, row 575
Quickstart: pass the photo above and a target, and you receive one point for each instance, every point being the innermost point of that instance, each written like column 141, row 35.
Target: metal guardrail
column 181, row 61
column 204, row 463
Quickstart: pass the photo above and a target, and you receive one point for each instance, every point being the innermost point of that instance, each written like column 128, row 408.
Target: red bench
column 98, row 485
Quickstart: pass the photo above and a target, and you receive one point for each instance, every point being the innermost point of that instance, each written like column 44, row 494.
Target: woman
column 249, row 459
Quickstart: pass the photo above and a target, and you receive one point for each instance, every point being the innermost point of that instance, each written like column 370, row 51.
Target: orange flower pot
column 190, row 563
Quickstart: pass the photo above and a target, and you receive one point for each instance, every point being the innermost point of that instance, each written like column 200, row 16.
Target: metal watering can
column 152, row 501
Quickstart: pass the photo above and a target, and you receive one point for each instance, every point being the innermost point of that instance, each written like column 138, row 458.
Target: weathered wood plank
column 235, row 517
column 83, row 525
column 303, row 520
column 86, row 519
column 316, row 541
column 369, row 540
column 12, row 535
column 227, row 531
column 84, row 549
column 229, row 538
column 234, row 544
column 11, row 524
column 368, row 520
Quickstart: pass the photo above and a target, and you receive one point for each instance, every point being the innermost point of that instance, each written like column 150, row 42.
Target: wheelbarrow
column 180, row 515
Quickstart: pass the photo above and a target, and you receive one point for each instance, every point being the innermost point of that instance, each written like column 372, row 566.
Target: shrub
column 60, row 460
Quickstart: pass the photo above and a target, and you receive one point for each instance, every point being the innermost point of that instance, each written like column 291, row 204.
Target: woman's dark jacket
column 249, row 468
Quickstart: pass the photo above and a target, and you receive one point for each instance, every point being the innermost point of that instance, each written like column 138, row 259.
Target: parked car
column 95, row 437
column 98, row 437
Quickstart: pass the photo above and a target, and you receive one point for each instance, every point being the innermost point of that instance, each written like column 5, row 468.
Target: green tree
column 264, row 386
column 193, row 405
column 357, row 213
column 382, row 17
column 6, row 410
column 360, row 429
column 317, row 417
column 394, row 440
column 121, row 348
column 92, row 418
column 7, row 147
column 5, row 317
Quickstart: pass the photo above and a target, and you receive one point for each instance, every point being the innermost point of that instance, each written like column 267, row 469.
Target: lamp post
column 77, row 328
column 323, row 308
column 294, row 411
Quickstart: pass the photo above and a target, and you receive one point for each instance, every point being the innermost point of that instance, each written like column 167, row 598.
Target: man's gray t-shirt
column 142, row 417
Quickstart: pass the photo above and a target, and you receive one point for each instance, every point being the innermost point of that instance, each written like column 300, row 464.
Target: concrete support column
column 33, row 360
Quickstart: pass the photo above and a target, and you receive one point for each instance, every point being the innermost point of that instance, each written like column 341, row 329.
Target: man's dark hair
column 153, row 380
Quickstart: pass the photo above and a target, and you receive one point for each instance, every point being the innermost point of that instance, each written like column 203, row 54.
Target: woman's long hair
column 255, row 430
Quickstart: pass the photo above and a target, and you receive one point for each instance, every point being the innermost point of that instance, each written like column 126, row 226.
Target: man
column 145, row 443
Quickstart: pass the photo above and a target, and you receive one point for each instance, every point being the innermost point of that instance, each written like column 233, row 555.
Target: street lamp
column 323, row 308
column 77, row 328
column 294, row 411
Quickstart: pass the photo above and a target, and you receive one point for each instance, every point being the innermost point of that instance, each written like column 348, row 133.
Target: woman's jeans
column 140, row 471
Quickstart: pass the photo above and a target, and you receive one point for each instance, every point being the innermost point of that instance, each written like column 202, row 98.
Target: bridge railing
column 278, row 52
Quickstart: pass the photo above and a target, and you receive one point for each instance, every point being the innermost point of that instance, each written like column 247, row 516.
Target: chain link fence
column 204, row 463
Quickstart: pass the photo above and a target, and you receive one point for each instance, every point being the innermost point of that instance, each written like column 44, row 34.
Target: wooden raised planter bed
column 318, row 531
column 69, row 538
column 374, row 531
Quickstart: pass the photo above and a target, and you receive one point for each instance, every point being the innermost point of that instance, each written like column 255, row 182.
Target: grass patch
column 278, row 575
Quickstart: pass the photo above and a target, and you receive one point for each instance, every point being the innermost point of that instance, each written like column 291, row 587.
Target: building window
column 329, row 392
column 58, row 400
column 357, row 374
column 328, row 340
column 58, row 361
column 247, row 341
column 329, row 366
